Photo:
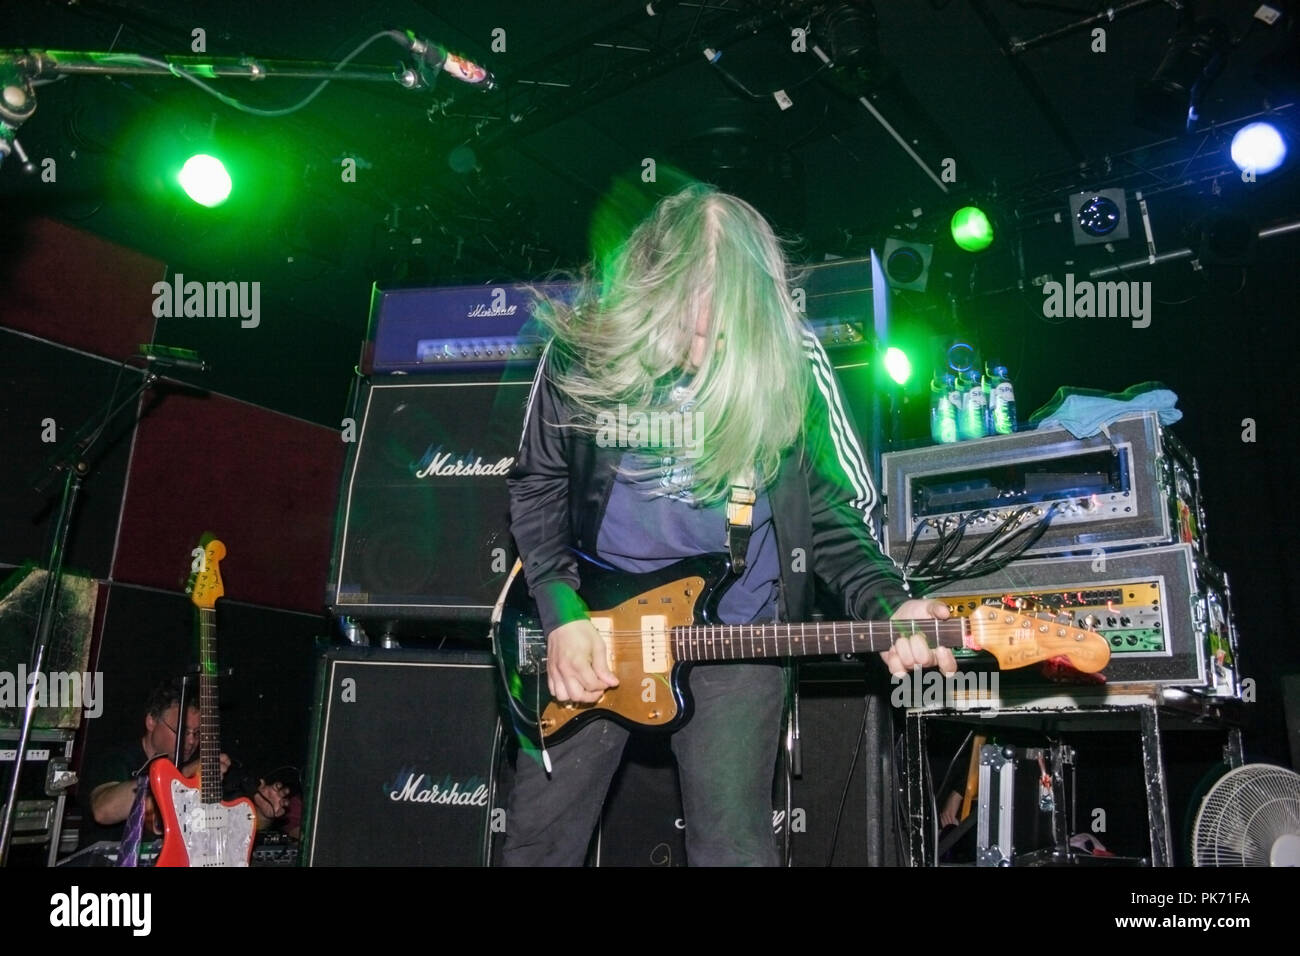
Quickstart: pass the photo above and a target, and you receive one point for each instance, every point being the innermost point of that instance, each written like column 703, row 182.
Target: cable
column 911, row 544
column 991, row 565
column 1003, row 535
column 108, row 408
column 945, row 547
column 131, row 58
column 970, row 734
column 848, row 779
column 1035, row 532
column 935, row 569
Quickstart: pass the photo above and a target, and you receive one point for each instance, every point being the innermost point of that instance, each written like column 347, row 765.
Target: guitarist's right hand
column 577, row 667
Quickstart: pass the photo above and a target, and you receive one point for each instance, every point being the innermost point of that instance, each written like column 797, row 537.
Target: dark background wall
column 455, row 185
column 266, row 483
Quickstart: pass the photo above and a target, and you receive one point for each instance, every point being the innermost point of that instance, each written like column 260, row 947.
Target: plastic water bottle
column 943, row 411
column 972, row 419
column 1002, row 401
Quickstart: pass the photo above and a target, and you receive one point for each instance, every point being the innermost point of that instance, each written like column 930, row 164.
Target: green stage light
column 205, row 180
column 898, row 365
column 971, row 229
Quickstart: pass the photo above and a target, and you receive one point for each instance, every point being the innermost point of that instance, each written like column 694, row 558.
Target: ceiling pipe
column 1175, row 255
column 1017, row 46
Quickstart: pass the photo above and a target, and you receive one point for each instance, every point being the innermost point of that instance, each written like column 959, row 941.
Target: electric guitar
column 655, row 624
column 199, row 828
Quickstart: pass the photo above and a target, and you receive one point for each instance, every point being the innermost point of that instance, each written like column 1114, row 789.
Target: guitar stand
column 183, row 705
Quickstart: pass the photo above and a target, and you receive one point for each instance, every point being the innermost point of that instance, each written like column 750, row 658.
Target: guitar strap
column 129, row 852
column 740, row 519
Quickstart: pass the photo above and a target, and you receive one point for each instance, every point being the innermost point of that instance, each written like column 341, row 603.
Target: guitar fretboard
column 703, row 642
column 209, row 716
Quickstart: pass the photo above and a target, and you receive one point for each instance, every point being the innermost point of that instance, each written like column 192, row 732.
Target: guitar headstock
column 1018, row 638
column 204, row 585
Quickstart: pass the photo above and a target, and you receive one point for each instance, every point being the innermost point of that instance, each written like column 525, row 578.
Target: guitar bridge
column 530, row 650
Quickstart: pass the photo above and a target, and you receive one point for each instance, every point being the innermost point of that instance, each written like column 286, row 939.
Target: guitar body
column 199, row 828
column 633, row 612
column 197, row 833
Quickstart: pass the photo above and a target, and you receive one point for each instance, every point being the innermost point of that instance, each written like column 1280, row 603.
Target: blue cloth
column 1084, row 413
column 650, row 523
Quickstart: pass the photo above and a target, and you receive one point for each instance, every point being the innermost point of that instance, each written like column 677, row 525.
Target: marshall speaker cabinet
column 424, row 518
column 423, row 521
column 404, row 759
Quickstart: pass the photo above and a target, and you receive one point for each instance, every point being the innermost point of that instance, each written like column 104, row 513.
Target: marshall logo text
column 479, row 310
column 498, row 306
column 441, row 466
column 410, row 787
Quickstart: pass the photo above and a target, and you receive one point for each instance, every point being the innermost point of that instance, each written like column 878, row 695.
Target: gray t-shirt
column 650, row 522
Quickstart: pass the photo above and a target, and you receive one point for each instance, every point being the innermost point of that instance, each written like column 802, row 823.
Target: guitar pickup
column 528, row 650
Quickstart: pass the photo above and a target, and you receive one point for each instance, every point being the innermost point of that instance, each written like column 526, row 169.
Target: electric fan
column 1250, row 817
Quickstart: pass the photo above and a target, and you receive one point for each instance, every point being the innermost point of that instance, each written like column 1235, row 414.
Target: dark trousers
column 726, row 756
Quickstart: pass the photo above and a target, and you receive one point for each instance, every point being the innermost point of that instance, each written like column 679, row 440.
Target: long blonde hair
column 630, row 330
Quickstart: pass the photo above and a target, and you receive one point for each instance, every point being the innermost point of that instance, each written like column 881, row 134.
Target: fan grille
column 1244, row 813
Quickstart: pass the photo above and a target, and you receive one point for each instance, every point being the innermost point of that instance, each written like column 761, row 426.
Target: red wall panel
column 79, row 290
column 265, row 484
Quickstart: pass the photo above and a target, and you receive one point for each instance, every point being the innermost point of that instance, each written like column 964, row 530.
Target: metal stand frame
column 57, row 774
column 1150, row 711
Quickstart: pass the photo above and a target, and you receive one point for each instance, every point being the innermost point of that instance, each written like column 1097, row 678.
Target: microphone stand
column 74, row 461
column 19, row 67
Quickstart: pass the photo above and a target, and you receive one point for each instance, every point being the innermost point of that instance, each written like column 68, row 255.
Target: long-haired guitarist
column 683, row 408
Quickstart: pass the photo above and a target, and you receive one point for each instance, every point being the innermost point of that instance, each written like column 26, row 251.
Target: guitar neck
column 209, row 715
column 718, row 642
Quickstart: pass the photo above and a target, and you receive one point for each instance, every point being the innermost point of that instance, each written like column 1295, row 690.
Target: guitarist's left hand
column 913, row 652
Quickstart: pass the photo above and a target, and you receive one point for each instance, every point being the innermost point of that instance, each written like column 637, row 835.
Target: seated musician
column 107, row 786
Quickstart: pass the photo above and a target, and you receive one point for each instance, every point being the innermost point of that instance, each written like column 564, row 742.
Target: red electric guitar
column 199, row 828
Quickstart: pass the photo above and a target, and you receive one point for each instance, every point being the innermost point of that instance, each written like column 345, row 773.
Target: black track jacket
column 821, row 502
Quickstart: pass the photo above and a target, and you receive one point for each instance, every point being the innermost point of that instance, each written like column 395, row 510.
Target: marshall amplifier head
column 1133, row 487
column 456, row 328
